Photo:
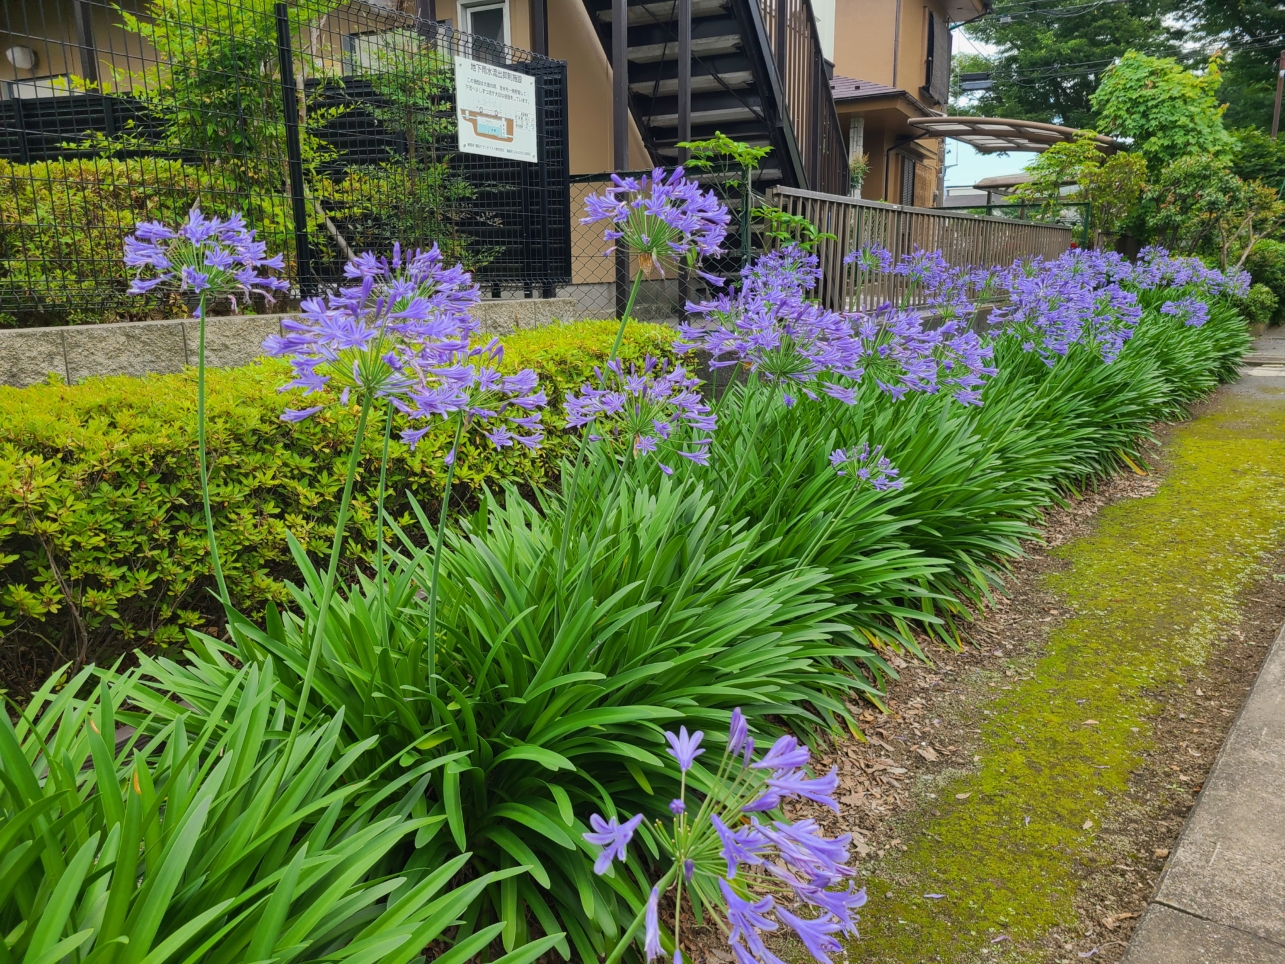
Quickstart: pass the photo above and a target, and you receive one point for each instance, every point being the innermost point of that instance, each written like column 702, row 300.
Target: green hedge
column 104, row 475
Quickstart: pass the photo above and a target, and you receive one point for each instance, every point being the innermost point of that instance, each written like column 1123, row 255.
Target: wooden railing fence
column 964, row 240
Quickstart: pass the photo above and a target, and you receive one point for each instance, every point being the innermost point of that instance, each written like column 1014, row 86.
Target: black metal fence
column 332, row 126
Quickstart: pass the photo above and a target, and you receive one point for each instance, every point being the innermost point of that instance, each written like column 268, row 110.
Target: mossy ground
column 1152, row 590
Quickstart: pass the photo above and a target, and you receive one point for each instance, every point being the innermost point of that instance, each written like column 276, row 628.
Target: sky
column 966, row 166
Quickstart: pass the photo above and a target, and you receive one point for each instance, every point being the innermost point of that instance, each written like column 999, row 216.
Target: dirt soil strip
column 1018, row 800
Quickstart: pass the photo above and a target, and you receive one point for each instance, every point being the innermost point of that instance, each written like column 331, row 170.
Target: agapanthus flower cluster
column 769, row 326
column 1073, row 300
column 654, row 411
column 1157, row 268
column 909, row 349
column 210, row 257
column 403, row 333
column 868, row 466
column 1193, row 312
column 665, row 220
column 761, row 873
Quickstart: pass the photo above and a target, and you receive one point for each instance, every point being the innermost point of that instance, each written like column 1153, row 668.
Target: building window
column 908, row 166
column 488, row 20
column 56, row 86
column 378, row 51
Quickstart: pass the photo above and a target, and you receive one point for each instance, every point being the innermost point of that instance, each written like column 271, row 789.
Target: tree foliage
column 1049, row 62
column 1253, row 33
column 1166, row 110
column 1111, row 186
column 1198, row 206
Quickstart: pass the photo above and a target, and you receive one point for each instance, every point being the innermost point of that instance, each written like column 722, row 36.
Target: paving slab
column 1228, row 868
column 1168, row 936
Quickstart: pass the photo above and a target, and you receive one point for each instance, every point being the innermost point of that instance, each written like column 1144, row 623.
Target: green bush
column 101, row 480
column 63, row 225
column 1260, row 305
column 1266, row 265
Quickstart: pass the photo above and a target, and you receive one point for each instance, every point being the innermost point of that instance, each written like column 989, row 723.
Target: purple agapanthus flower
column 742, row 846
column 1193, row 312
column 208, row 256
column 785, row 754
column 652, row 411
column 613, row 837
column 769, row 325
column 403, row 332
column 868, row 466
column 651, row 942
column 663, row 220
column 816, row 935
column 769, row 867
column 684, row 748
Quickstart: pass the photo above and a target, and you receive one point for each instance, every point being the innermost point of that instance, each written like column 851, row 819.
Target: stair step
column 666, row 12
column 721, row 115
column 700, row 83
column 702, row 46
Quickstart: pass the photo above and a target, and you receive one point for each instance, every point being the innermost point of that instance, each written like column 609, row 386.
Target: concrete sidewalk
column 1221, row 898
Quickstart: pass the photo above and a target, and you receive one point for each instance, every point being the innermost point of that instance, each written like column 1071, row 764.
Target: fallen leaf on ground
column 1162, row 853
column 996, row 940
column 1112, row 922
column 1089, row 723
column 1088, row 825
column 928, row 753
column 963, row 796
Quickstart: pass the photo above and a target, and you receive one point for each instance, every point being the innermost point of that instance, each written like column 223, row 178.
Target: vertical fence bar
column 620, row 127
column 294, row 153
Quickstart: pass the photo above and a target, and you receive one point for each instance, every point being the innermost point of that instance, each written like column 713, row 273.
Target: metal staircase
column 757, row 75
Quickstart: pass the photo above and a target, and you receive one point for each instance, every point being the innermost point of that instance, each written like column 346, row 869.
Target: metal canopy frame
column 990, row 135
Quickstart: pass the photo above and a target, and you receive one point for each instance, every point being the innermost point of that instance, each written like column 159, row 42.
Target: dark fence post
column 294, row 154
column 620, row 128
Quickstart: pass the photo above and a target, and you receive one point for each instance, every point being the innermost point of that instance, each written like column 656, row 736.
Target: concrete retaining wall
column 30, row 355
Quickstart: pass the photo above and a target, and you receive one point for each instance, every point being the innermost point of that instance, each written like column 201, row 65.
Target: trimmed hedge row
column 102, row 476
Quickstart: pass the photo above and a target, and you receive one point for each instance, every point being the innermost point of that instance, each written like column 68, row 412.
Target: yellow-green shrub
column 104, row 475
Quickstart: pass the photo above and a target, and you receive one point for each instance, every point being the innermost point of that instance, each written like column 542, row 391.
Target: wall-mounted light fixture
column 24, row 58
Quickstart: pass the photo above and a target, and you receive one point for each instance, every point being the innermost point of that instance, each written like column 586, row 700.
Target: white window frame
column 54, row 85
column 464, row 6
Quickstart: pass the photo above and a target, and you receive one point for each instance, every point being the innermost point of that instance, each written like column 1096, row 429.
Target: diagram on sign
column 491, row 126
column 496, row 111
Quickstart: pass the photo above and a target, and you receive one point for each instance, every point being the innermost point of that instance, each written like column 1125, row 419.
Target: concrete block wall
column 29, row 355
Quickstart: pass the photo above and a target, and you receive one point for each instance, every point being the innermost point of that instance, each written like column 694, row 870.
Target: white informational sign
column 495, row 110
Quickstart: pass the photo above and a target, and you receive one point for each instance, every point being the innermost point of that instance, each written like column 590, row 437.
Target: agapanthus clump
column 908, row 349
column 649, row 412
column 768, row 326
column 868, row 466
column 403, row 315
column 1157, row 268
column 211, row 258
column 751, row 875
column 664, row 220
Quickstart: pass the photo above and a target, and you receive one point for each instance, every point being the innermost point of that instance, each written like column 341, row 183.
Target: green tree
column 1198, row 206
column 1166, row 110
column 1257, row 157
column 1253, row 34
column 1049, row 61
column 1111, row 186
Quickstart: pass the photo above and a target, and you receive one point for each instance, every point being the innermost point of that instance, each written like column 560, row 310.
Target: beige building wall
column 572, row 38
column 884, row 41
column 49, row 29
